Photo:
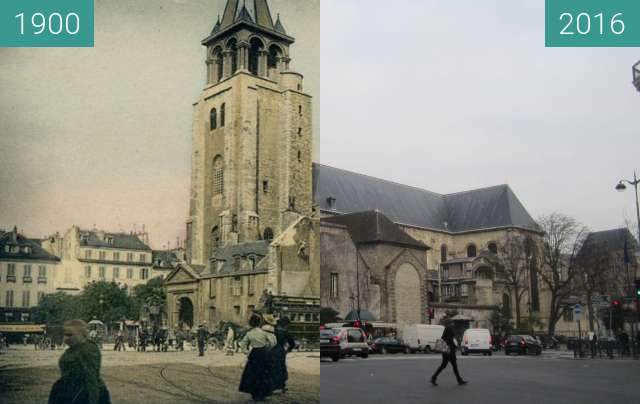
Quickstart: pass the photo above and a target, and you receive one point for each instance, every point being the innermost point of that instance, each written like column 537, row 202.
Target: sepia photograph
column 159, row 242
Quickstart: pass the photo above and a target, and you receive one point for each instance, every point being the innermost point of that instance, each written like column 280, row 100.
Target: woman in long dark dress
column 285, row 344
column 450, row 356
column 256, row 377
column 80, row 381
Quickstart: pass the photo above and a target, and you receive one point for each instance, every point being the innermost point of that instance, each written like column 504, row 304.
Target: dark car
column 330, row 344
column 522, row 345
column 386, row 345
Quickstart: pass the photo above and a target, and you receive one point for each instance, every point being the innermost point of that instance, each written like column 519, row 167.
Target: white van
column 421, row 337
column 476, row 340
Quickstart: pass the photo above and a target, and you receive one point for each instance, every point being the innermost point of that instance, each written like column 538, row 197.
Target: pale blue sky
column 455, row 95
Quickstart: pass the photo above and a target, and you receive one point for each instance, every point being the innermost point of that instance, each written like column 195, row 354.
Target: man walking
column 448, row 356
column 202, row 338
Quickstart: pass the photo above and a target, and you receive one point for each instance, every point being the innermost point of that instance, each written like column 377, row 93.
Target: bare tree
column 594, row 262
column 511, row 263
column 558, row 269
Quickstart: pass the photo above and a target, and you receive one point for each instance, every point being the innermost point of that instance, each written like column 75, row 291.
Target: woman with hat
column 256, row 377
column 285, row 344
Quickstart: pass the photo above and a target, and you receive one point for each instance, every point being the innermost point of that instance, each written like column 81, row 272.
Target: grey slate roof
column 256, row 11
column 14, row 239
column 164, row 259
column 120, row 240
column 227, row 255
column 614, row 239
column 343, row 192
column 279, row 27
column 374, row 227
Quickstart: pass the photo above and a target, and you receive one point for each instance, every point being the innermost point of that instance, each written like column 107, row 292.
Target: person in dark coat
column 449, row 356
column 202, row 338
column 256, row 376
column 80, row 381
column 285, row 344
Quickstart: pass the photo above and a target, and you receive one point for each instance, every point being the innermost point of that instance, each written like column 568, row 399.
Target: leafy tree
column 56, row 308
column 153, row 293
column 107, row 301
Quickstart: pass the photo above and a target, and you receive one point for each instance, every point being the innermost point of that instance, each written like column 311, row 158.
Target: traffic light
column 637, row 288
column 615, row 304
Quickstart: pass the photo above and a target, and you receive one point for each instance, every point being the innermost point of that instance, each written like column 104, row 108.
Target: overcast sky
column 456, row 95
column 103, row 136
column 442, row 95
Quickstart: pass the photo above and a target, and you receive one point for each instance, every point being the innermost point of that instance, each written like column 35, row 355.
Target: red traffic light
column 616, row 303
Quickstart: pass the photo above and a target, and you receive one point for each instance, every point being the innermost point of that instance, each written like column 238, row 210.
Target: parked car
column 476, row 340
column 422, row 337
column 349, row 341
column 330, row 344
column 522, row 345
column 385, row 345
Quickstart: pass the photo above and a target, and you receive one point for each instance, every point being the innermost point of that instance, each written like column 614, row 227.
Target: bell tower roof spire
column 253, row 13
column 263, row 14
column 279, row 27
column 230, row 11
column 244, row 14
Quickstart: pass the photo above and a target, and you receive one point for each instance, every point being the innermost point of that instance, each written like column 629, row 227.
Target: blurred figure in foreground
column 80, row 381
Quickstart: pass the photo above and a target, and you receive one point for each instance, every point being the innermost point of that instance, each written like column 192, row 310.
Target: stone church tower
column 252, row 135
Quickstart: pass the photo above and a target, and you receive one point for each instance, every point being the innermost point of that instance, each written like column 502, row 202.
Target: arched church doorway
column 185, row 314
column 408, row 301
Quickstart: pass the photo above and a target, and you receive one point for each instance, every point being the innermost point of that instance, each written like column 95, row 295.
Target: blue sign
column 577, row 309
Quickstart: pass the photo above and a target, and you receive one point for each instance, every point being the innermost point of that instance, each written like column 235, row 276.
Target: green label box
column 592, row 23
column 46, row 23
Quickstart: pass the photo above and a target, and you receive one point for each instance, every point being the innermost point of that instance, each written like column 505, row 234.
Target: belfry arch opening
column 255, row 47
column 275, row 53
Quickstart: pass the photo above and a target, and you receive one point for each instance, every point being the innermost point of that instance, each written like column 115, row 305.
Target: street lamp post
column 634, row 183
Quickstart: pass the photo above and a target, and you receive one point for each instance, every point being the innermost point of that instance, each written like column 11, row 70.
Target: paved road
column 549, row 379
column 26, row 376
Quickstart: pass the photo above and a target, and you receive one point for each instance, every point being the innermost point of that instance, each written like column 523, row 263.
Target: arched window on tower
column 215, row 238
column 255, row 47
column 471, row 250
column 222, row 115
column 218, row 60
column 214, row 65
column 232, row 47
column 213, row 119
column 274, row 54
column 218, row 175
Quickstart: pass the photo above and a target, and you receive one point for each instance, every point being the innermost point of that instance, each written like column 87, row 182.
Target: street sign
column 577, row 309
column 600, row 301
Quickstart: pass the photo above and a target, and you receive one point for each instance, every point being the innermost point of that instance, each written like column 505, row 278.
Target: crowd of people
column 266, row 344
